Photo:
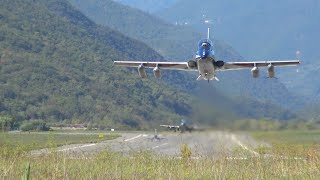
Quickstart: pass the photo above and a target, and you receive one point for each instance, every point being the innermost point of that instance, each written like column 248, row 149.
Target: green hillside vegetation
column 161, row 36
column 261, row 30
column 56, row 65
column 178, row 43
column 56, row 68
column 267, row 30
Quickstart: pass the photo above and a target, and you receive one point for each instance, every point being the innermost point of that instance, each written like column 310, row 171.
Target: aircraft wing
column 249, row 65
column 161, row 65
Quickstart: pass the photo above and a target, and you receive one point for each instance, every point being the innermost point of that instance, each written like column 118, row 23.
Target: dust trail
column 237, row 141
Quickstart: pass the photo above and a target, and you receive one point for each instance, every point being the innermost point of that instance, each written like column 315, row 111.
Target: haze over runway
column 212, row 144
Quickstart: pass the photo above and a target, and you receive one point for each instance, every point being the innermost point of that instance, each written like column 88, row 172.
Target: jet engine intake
column 192, row 64
column 142, row 71
column 255, row 72
column 156, row 72
column 219, row 63
column 271, row 72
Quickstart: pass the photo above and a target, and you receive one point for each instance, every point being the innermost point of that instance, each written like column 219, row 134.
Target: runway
column 202, row 144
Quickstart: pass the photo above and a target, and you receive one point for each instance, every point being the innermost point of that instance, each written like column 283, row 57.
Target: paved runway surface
column 202, row 144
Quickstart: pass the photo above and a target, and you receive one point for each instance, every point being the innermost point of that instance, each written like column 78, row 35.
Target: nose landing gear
column 205, row 75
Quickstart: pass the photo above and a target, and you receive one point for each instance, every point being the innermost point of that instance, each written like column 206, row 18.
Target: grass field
column 293, row 143
column 306, row 138
column 37, row 140
column 281, row 163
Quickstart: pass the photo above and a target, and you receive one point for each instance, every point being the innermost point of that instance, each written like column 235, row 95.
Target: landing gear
column 199, row 77
column 206, row 74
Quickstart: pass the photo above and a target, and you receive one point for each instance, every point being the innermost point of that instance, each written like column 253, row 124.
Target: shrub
column 6, row 123
column 34, row 125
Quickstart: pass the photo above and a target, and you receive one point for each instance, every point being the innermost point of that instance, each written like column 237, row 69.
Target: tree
column 34, row 125
column 6, row 123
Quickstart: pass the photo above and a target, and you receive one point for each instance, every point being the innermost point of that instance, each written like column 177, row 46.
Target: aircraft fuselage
column 206, row 68
column 205, row 60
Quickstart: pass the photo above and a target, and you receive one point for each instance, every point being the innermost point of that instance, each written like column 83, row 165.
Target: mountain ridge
column 178, row 43
column 55, row 69
column 56, row 65
column 262, row 30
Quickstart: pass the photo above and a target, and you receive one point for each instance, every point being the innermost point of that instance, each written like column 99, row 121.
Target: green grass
column 38, row 140
column 291, row 137
column 297, row 143
column 147, row 165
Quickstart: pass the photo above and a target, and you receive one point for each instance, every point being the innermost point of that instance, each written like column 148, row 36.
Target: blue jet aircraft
column 183, row 127
column 206, row 64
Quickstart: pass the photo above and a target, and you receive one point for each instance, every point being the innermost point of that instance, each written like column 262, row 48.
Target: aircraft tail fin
column 208, row 36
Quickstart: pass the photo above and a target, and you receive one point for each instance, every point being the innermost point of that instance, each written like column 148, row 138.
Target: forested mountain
column 56, row 65
column 266, row 28
column 150, row 6
column 178, row 43
column 161, row 36
column 262, row 30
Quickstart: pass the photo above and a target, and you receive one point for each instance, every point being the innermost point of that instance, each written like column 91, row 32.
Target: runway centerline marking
column 67, row 149
column 133, row 138
column 159, row 145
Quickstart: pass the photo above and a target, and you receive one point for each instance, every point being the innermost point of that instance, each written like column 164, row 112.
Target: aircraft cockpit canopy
column 205, row 43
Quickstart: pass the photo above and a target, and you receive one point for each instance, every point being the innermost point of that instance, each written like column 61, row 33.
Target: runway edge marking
column 67, row 149
column 159, row 145
column 133, row 138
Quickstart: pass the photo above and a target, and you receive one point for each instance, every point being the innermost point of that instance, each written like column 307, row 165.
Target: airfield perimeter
column 134, row 155
column 202, row 144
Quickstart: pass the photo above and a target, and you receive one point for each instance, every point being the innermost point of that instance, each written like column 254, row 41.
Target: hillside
column 161, row 36
column 269, row 29
column 56, row 65
column 178, row 43
column 262, row 30
column 150, row 6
